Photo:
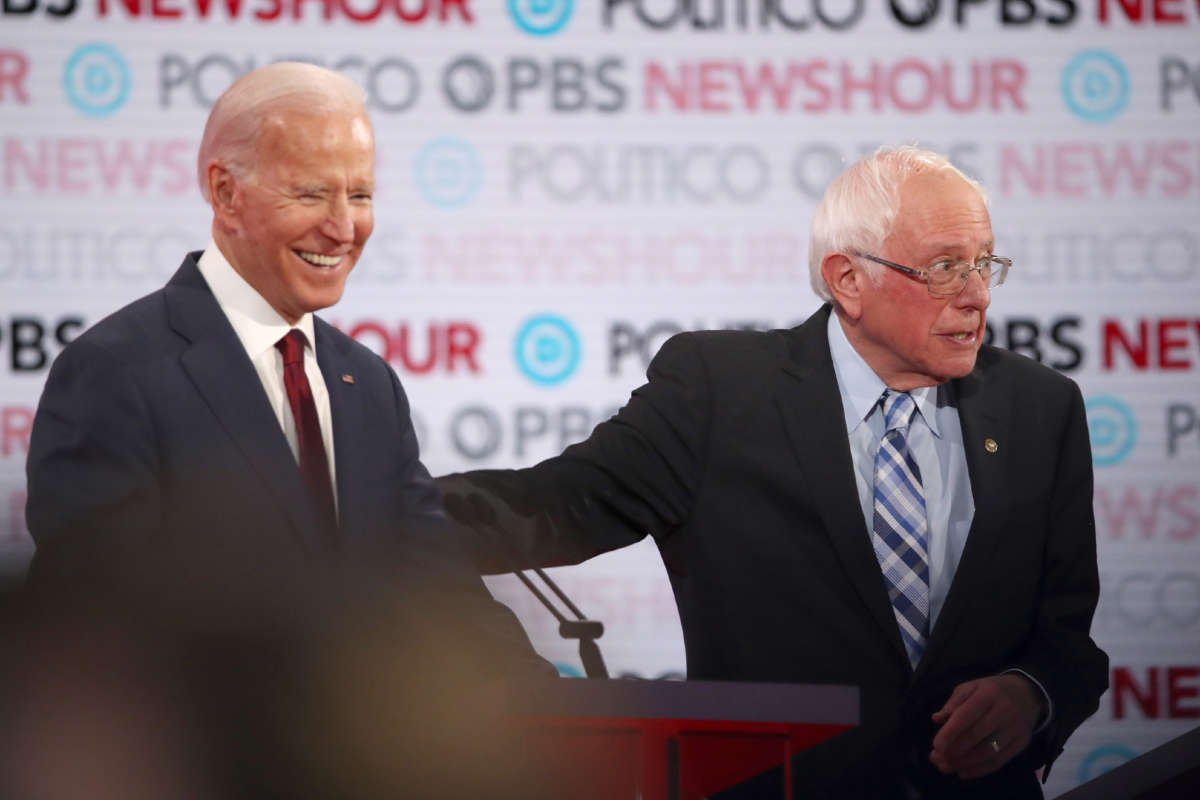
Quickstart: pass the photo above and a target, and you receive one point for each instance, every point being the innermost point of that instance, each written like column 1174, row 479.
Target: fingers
column 957, row 698
column 964, row 718
column 985, row 723
column 980, row 733
column 984, row 758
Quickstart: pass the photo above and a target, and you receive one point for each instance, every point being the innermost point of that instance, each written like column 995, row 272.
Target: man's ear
column 845, row 281
column 222, row 192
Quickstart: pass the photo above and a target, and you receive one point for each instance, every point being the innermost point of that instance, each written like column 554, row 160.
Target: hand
column 1001, row 709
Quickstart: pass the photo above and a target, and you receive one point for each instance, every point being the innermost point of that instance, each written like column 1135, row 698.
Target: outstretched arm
column 637, row 474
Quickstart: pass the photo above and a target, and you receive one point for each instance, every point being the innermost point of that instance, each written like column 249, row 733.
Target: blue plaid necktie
column 900, row 526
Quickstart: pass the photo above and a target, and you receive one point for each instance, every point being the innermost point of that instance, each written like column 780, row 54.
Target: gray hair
column 231, row 133
column 859, row 209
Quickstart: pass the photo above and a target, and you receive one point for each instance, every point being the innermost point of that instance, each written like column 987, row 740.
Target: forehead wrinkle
column 945, row 247
column 955, row 235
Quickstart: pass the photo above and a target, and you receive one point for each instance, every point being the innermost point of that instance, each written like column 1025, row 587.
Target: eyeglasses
column 947, row 278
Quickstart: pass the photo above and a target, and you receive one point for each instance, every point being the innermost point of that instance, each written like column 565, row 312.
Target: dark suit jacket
column 734, row 457
column 157, row 463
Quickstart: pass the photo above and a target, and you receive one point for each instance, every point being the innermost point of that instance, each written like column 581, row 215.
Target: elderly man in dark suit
column 214, row 446
column 872, row 498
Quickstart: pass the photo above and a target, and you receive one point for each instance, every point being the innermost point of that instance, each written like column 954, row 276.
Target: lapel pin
column 348, row 378
column 990, row 445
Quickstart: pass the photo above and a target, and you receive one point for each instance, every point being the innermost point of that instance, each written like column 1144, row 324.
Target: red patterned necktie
column 314, row 465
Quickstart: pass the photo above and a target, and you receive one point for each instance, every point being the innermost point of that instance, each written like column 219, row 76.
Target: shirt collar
column 256, row 323
column 861, row 388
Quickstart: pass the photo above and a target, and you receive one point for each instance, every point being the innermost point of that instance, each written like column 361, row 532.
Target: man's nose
column 339, row 223
column 975, row 293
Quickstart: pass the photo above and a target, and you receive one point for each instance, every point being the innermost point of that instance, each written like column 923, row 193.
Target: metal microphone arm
column 474, row 510
column 587, row 631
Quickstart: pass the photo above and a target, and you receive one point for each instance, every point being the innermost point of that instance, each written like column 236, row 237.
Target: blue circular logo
column 1102, row 760
column 97, row 79
column 1112, row 428
column 547, row 349
column 1095, row 86
column 541, row 17
column 448, row 172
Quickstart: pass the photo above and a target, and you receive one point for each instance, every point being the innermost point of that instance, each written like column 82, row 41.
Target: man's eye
column 942, row 266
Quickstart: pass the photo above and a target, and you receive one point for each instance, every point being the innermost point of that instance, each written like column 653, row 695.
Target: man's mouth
column 962, row 337
column 318, row 260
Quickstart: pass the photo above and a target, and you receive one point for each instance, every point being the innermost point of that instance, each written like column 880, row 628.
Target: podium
column 676, row 740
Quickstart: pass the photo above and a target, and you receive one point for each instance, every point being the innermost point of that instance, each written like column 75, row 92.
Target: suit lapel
column 811, row 408
column 984, row 415
column 218, row 365
column 351, row 426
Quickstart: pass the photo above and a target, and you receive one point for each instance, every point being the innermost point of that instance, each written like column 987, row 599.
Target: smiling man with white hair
column 217, row 437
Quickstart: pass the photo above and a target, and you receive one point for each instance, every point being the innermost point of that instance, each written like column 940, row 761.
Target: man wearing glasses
column 871, row 498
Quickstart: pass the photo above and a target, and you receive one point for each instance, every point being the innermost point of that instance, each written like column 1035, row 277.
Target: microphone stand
column 587, row 631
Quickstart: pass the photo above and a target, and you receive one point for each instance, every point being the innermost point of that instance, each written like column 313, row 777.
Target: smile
column 318, row 260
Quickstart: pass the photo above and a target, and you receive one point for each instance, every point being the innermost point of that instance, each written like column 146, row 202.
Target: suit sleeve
column 93, row 494
column 637, row 474
column 1061, row 654
column 435, row 566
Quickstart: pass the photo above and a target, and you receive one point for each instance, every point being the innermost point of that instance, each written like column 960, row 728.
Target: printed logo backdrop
column 564, row 184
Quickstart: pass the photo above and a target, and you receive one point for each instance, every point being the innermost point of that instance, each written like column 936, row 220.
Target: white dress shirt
column 258, row 326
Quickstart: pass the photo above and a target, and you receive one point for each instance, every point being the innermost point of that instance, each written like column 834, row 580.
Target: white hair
column 236, row 119
column 859, row 209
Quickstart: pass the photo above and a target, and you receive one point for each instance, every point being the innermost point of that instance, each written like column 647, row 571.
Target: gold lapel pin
column 348, row 378
column 990, row 445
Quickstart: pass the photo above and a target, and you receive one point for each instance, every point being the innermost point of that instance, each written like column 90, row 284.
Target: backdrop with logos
column 563, row 184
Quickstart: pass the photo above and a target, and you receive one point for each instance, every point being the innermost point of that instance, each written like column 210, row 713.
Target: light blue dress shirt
column 935, row 441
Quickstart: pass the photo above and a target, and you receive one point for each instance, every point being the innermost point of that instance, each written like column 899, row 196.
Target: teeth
column 318, row 260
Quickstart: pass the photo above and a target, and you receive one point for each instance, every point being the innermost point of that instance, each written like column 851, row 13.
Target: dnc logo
column 547, row 349
column 1104, row 759
column 1112, row 428
column 541, row 17
column 448, row 172
column 1095, row 86
column 97, row 79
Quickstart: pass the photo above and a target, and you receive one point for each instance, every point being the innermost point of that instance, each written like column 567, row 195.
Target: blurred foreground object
column 350, row 689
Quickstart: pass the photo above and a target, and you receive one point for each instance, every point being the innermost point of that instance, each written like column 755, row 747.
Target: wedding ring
column 995, row 746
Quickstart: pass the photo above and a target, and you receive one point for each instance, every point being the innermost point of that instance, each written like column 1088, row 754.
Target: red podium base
column 665, row 740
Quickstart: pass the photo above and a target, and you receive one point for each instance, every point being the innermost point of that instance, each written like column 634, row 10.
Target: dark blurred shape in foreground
column 338, row 682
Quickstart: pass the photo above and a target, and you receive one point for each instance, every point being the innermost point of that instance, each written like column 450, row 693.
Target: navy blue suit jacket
column 157, row 461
